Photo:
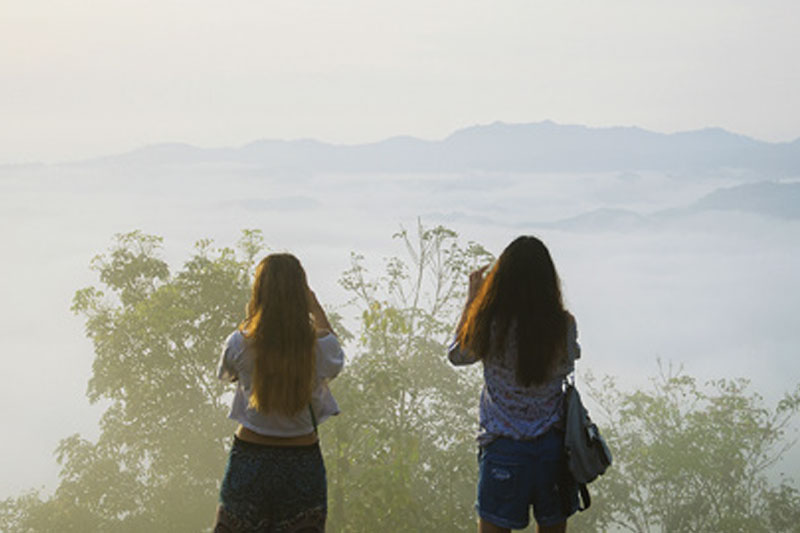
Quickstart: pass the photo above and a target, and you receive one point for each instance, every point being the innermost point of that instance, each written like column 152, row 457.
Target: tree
column 693, row 458
column 164, row 436
column 408, row 417
column 402, row 454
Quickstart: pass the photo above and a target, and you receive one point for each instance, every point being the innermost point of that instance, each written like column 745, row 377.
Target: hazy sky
column 81, row 78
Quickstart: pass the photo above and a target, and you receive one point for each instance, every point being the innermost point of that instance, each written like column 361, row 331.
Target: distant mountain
column 781, row 200
column 604, row 219
column 500, row 147
column 767, row 198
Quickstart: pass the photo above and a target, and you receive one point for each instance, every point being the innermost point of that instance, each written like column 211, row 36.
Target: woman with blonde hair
column 515, row 323
column 281, row 358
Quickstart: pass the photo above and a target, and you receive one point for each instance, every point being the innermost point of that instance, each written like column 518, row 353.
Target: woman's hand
column 475, row 282
column 313, row 303
column 321, row 323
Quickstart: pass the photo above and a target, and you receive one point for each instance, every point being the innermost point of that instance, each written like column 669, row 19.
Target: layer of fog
column 714, row 291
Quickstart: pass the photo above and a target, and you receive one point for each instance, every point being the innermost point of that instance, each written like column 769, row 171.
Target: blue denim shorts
column 517, row 474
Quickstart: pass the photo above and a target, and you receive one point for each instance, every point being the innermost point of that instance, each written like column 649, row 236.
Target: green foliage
column 692, row 458
column 157, row 463
column 401, row 456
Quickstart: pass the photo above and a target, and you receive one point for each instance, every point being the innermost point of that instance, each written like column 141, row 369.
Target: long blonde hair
column 280, row 332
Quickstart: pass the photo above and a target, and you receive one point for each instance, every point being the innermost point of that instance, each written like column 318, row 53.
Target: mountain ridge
column 776, row 200
column 499, row 146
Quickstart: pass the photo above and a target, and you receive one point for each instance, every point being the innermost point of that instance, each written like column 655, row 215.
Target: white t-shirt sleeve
column 226, row 369
column 330, row 356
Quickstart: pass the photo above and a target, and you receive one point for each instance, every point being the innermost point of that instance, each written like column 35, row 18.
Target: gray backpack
column 587, row 453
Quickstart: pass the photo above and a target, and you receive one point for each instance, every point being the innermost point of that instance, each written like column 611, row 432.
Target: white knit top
column 236, row 365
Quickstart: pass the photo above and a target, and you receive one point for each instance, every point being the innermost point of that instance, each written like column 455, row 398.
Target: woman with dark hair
column 281, row 358
column 515, row 323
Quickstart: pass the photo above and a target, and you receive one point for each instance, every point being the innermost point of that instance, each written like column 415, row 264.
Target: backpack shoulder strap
column 313, row 417
column 586, row 499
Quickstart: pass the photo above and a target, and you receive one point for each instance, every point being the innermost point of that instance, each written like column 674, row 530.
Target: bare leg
column 488, row 527
column 558, row 528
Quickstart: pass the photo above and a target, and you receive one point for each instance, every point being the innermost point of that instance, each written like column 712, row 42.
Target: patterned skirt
column 272, row 489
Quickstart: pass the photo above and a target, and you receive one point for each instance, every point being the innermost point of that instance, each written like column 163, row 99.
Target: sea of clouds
column 713, row 290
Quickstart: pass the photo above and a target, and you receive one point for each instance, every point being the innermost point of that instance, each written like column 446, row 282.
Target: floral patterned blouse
column 508, row 409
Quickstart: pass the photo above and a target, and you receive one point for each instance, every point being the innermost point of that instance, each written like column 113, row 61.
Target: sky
column 80, row 79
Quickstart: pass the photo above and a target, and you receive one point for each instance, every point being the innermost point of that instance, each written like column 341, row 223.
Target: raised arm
column 321, row 323
column 456, row 353
column 475, row 284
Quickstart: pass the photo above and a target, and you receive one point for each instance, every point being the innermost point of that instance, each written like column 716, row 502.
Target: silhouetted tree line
column 401, row 456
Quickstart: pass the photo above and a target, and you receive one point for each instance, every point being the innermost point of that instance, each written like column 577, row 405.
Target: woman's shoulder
column 573, row 347
column 572, row 325
column 328, row 345
column 570, row 317
column 235, row 344
column 236, row 338
column 326, row 336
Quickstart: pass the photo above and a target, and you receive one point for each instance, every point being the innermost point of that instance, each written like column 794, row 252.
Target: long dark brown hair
column 279, row 329
column 523, row 290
